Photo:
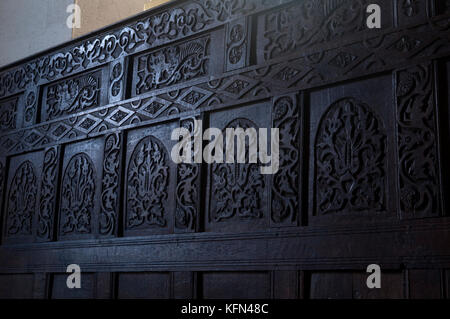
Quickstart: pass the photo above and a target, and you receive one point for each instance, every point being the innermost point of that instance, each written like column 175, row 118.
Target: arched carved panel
column 350, row 160
column 148, row 180
column 237, row 188
column 77, row 198
column 22, row 201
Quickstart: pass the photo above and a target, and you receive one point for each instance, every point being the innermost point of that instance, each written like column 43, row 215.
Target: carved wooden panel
column 80, row 188
column 304, row 24
column 150, row 179
column 172, row 65
column 238, row 43
column 363, row 120
column 21, row 201
column 287, row 113
column 73, row 95
column 419, row 181
column 111, row 184
column 352, row 162
column 238, row 193
column 29, row 107
column 118, row 71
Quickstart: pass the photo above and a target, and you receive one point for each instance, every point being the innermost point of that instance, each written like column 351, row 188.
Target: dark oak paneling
column 86, row 174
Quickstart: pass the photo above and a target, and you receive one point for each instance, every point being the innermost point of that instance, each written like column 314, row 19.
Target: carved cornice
column 170, row 23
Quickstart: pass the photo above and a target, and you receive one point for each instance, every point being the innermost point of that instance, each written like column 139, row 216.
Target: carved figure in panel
column 77, row 198
column 172, row 65
column 22, row 201
column 147, row 183
column 73, row 95
column 350, row 160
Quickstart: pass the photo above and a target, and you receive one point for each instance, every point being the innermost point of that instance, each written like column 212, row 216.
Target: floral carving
column 187, row 191
column 417, row 142
column 285, row 183
column 48, row 190
column 350, row 157
column 148, row 178
column 77, row 198
column 237, row 188
column 22, row 200
column 110, row 185
column 187, row 196
column 172, row 65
